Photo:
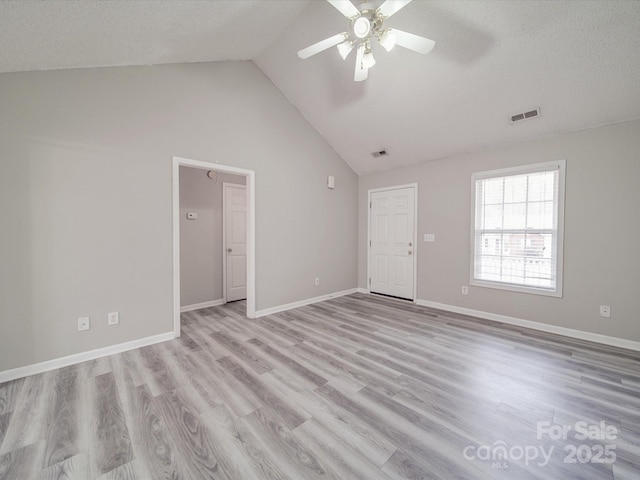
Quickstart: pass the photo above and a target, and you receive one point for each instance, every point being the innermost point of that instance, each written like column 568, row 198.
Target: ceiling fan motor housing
column 367, row 23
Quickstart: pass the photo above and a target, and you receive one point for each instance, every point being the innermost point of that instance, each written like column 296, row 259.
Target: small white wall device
column 331, row 182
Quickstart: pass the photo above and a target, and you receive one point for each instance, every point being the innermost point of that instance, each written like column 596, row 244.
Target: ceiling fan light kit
column 365, row 24
column 388, row 39
column 345, row 48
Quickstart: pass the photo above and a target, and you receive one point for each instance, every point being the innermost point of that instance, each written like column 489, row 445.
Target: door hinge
column 369, row 280
column 369, row 204
column 369, row 242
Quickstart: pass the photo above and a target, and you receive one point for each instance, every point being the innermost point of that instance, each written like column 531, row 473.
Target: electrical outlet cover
column 113, row 318
column 84, row 323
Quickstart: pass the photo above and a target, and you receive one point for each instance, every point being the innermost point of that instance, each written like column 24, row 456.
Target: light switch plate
column 429, row 237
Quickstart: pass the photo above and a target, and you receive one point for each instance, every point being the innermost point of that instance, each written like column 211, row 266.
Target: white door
column 235, row 245
column 392, row 247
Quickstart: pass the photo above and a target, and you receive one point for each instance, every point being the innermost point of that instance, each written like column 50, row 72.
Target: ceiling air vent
column 380, row 153
column 518, row 117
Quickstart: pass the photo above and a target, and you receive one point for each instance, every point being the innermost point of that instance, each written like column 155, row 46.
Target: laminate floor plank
column 9, row 392
column 356, row 387
column 240, row 447
column 402, row 433
column 4, row 426
column 325, row 370
column 127, row 389
column 99, row 366
column 156, row 376
column 191, row 437
column 155, row 442
column 185, row 345
column 335, row 453
column 358, row 361
column 236, row 448
column 233, row 328
column 267, row 336
column 113, row 445
column 293, row 457
column 22, row 463
column 352, row 429
column 243, row 351
column 350, row 370
column 290, row 364
column 203, row 337
column 273, row 323
column 311, row 328
column 73, row 468
column 128, row 471
column 263, row 462
column 231, row 390
column 63, row 425
column 135, row 369
column 289, row 414
column 28, row 421
column 360, row 337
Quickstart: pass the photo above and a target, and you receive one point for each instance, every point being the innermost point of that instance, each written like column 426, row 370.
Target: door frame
column 250, row 186
column 224, row 236
column 415, row 234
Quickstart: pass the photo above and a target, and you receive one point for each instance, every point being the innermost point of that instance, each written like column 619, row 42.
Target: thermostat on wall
column 192, row 216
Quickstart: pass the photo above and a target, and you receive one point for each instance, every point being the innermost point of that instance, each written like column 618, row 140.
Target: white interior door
column 392, row 247
column 235, row 248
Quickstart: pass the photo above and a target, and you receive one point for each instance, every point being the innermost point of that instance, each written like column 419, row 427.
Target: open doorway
column 241, row 221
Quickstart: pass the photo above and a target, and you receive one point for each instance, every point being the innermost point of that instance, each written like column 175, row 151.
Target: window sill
column 517, row 288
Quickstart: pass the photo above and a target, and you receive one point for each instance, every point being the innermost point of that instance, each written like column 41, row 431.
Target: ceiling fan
column 365, row 24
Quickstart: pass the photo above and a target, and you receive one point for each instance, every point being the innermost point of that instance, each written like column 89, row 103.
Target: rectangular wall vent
column 518, row 117
column 380, row 153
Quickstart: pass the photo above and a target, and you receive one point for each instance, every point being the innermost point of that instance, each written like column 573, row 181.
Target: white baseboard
column 543, row 327
column 302, row 303
column 41, row 367
column 198, row 306
column 362, row 290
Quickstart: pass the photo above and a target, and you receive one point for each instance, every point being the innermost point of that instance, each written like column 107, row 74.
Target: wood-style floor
column 358, row 387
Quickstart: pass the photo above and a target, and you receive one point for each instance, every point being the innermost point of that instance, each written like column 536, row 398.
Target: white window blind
column 517, row 228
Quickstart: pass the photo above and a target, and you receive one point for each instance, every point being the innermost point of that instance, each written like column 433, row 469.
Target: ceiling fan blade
column 413, row 42
column 323, row 45
column 345, row 7
column 361, row 72
column 390, row 7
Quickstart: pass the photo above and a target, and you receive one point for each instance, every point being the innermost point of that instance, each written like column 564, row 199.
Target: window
column 517, row 228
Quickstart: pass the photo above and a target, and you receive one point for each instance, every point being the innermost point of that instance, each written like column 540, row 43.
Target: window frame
column 560, row 165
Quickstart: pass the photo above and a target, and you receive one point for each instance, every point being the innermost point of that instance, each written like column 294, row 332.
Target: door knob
column 410, row 252
column 229, row 250
column 410, row 244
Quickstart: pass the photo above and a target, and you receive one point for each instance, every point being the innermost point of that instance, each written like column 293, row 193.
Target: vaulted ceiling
column 579, row 61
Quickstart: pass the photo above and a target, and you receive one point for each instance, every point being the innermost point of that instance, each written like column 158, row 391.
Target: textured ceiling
column 55, row 34
column 579, row 61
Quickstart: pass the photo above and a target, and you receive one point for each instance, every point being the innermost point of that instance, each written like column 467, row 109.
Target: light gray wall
column 602, row 229
column 201, row 239
column 86, row 188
